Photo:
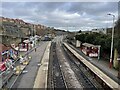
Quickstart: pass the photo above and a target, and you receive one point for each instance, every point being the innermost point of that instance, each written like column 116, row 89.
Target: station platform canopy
column 89, row 45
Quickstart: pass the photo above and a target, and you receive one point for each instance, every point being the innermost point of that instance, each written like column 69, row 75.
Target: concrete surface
column 26, row 80
column 41, row 78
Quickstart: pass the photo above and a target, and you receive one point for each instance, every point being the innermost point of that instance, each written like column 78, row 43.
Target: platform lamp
column 111, row 53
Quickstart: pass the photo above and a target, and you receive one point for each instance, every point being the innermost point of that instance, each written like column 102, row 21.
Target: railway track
column 80, row 71
column 55, row 75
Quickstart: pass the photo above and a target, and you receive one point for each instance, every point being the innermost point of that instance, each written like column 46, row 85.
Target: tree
column 89, row 38
column 97, row 39
column 80, row 37
column 79, row 31
column 117, row 27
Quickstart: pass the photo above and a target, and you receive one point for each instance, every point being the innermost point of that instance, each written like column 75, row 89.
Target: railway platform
column 41, row 77
column 105, row 65
column 101, row 64
column 109, row 76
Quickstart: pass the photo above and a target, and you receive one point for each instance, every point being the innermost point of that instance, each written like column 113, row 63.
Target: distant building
column 102, row 30
column 16, row 30
column 19, row 21
column 2, row 19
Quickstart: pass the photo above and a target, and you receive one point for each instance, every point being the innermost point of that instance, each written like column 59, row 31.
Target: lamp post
column 111, row 54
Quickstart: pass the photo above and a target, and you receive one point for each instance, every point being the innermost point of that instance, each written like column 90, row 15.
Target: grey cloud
column 62, row 14
column 94, row 8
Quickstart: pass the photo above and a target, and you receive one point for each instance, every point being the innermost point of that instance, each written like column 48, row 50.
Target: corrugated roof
column 89, row 45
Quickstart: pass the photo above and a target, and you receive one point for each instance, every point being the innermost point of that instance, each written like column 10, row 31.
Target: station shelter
column 90, row 49
column 25, row 45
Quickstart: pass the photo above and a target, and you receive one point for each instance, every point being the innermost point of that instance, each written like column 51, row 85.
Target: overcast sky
column 63, row 15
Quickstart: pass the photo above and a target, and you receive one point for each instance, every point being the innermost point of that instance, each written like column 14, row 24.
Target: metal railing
column 5, row 75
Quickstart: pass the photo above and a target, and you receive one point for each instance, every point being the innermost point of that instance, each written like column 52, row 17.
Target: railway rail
column 55, row 75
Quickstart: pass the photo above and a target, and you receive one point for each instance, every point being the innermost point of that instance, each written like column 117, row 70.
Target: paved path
column 104, row 64
column 26, row 80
